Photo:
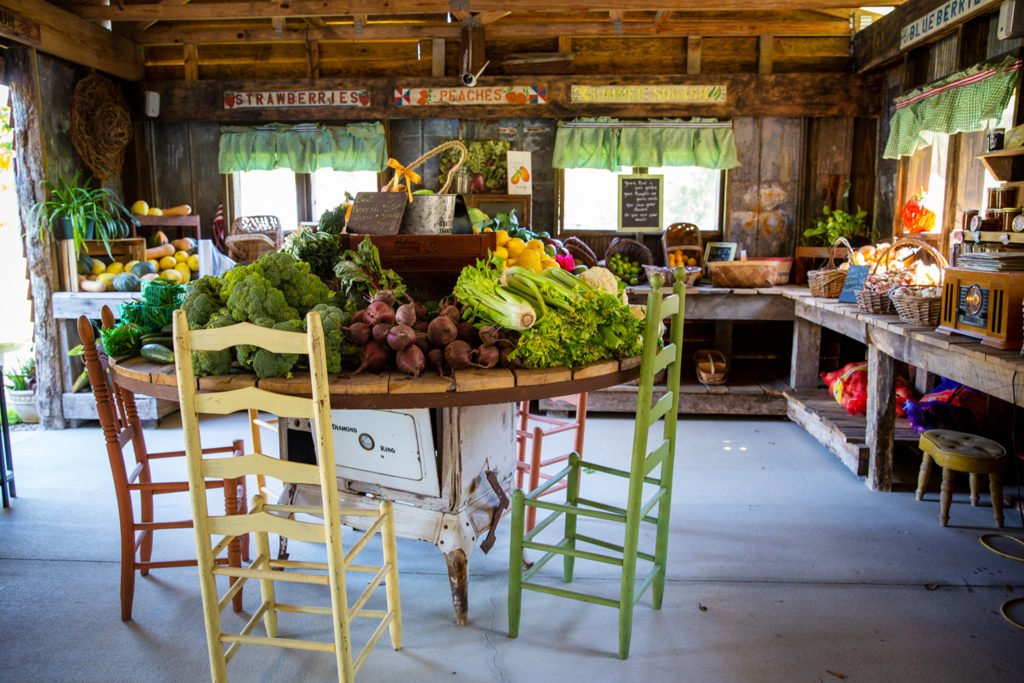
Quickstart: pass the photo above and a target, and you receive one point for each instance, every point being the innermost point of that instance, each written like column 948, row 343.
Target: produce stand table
column 475, row 442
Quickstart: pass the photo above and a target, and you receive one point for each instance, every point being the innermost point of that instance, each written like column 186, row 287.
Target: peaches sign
column 286, row 99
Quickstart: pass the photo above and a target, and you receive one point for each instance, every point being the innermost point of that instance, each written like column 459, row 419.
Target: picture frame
column 719, row 251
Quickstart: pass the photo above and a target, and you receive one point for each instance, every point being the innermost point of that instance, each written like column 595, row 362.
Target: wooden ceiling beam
column 781, row 27
column 324, row 8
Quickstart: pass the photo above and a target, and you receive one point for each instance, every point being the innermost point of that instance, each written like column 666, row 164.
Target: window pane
column 268, row 193
column 330, row 186
column 591, row 199
column 692, row 195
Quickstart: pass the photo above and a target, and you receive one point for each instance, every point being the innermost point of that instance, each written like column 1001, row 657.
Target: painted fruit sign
column 498, row 95
column 286, row 99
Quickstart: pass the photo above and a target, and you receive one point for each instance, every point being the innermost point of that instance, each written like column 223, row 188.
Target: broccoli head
column 255, row 297
column 214, row 362
column 202, row 301
column 333, row 319
column 302, row 290
column 268, row 364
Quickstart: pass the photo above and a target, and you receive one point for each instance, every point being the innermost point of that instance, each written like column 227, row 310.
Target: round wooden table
column 474, row 470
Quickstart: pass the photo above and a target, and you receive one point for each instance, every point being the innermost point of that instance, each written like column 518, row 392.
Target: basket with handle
column 429, row 214
column 921, row 304
column 711, row 366
column 581, row 251
column 395, row 184
column 875, row 297
column 828, row 282
column 633, row 250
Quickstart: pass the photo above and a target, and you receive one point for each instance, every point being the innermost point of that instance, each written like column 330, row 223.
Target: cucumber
column 161, row 339
column 158, row 353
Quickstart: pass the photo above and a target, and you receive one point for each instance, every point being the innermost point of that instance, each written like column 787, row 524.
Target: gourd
column 186, row 244
column 84, row 263
column 160, row 251
column 181, row 210
column 143, row 268
column 126, row 282
column 158, row 238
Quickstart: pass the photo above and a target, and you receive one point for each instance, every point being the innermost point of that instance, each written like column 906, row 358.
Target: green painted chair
column 643, row 463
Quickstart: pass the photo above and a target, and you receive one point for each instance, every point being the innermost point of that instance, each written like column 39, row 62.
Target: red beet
column 458, row 355
column 420, row 309
column 506, row 362
column 357, row 333
column 357, row 317
column 378, row 312
column 487, row 356
column 450, row 311
column 375, row 358
column 442, row 331
column 400, row 337
column 380, row 332
column 385, row 296
column 423, row 341
column 435, row 357
column 489, row 334
column 410, row 360
column 406, row 315
column 421, row 326
column 467, row 332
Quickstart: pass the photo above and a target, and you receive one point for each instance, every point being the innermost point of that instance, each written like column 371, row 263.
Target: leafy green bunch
column 362, row 275
column 836, row 223
column 320, row 250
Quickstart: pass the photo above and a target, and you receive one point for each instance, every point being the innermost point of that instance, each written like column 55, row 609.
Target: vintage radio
column 983, row 305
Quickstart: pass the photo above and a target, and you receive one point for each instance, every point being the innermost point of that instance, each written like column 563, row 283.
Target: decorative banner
column 286, row 99
column 648, row 94
column 19, row 28
column 458, row 95
column 953, row 11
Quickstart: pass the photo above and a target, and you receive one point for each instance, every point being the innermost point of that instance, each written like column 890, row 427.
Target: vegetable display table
column 458, row 496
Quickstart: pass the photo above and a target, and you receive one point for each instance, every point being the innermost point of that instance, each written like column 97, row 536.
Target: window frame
column 559, row 202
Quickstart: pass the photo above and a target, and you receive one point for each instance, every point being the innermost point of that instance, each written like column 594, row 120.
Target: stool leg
column 922, row 476
column 974, row 489
column 946, row 496
column 535, row 453
column 995, row 487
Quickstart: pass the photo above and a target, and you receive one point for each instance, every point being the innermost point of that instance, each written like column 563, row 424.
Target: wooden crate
column 182, row 226
column 130, row 249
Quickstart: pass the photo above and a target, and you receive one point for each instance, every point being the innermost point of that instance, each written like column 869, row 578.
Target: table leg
column 458, row 577
column 6, row 457
column 881, row 418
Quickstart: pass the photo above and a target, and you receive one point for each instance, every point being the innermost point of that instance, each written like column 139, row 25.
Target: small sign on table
column 377, row 213
column 856, row 276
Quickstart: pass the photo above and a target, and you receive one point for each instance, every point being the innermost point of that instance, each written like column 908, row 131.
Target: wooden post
column 764, row 59
column 806, row 355
column 881, row 418
column 437, row 51
column 693, row 50
column 22, row 70
column 191, row 62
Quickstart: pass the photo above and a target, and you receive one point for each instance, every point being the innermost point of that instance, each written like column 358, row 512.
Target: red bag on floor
column 849, row 387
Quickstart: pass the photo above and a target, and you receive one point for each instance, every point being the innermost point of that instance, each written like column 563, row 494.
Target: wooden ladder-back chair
column 654, row 509
column 533, row 467
column 119, row 419
column 266, row 518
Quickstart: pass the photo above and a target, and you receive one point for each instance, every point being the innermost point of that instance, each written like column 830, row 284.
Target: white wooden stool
column 961, row 452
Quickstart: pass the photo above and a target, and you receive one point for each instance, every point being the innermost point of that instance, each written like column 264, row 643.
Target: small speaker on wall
column 1011, row 20
column 151, row 103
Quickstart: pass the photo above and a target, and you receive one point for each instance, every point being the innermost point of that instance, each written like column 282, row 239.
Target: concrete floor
column 784, row 567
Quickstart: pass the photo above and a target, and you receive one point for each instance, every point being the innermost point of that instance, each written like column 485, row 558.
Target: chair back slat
column 661, row 408
column 236, row 525
column 277, row 341
column 664, row 358
column 227, row 402
column 656, row 457
column 669, row 306
column 259, row 464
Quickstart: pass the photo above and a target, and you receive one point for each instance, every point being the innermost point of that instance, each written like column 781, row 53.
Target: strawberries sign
column 287, row 99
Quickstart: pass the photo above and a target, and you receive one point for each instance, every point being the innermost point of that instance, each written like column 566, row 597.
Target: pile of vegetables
column 317, row 248
column 276, row 291
column 362, row 276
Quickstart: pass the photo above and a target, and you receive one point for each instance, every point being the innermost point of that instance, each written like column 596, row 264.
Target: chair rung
column 611, row 546
column 372, row 642
column 574, row 552
column 541, row 525
column 153, row 526
column 289, row 643
column 651, row 502
column 253, row 620
column 538, row 564
column 572, row 510
column 358, row 546
column 241, row 572
column 266, row 424
column 572, row 595
column 604, row 468
column 165, row 564
column 646, row 583
column 304, row 609
column 226, row 598
column 372, row 586
column 619, row 512
column 315, row 510
column 551, row 481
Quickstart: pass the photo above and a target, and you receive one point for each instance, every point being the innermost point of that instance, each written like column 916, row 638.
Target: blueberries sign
column 945, row 16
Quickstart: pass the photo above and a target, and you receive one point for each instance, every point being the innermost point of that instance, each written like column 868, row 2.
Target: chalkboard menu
column 640, row 200
column 377, row 213
column 856, row 276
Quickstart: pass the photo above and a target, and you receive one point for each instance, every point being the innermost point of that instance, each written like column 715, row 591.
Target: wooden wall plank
column 693, row 53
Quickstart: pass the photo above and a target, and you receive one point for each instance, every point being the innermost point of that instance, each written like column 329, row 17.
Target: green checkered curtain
column 610, row 144
column 962, row 103
column 303, row 148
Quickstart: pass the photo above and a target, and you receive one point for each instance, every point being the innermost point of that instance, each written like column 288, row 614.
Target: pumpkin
column 126, row 282
column 142, row 268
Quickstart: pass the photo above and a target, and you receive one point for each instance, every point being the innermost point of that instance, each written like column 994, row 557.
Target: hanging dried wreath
column 100, row 125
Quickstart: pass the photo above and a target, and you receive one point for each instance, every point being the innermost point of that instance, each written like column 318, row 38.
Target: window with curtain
column 691, row 155
column 298, row 172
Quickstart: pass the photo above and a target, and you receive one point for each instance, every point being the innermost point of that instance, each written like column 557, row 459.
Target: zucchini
column 161, row 339
column 158, row 353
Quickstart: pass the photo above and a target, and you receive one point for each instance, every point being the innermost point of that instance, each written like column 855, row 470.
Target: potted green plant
column 21, row 390
column 835, row 223
column 75, row 210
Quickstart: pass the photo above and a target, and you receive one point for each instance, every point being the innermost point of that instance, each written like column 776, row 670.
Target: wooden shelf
column 975, row 237
column 1001, row 163
column 184, row 226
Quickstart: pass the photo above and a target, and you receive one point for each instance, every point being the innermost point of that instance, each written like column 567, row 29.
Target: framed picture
column 719, row 251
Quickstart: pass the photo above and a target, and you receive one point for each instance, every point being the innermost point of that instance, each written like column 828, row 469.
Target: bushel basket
column 828, row 282
column 914, row 302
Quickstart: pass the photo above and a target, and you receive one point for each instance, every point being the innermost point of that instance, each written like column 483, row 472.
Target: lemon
column 156, row 263
column 172, row 275
column 502, row 237
column 115, row 268
column 153, row 211
column 140, row 208
column 515, row 247
column 193, row 263
column 529, row 259
column 181, row 256
column 167, row 262
column 502, row 252
column 98, row 267
column 476, row 230
column 186, row 272
column 488, row 229
column 536, row 245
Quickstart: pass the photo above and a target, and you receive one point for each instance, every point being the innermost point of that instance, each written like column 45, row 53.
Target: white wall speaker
column 151, row 103
column 1011, row 20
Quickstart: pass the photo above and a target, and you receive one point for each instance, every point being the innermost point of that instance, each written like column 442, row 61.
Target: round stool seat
column 961, row 452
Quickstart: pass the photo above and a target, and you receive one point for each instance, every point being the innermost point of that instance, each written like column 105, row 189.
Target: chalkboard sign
column 377, row 213
column 640, row 200
column 719, row 251
column 856, row 276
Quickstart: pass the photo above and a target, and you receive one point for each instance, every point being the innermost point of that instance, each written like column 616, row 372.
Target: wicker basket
column 693, row 274
column 917, row 308
column 581, row 252
column 742, row 274
column 632, row 250
column 667, row 273
column 871, row 301
column 828, row 282
column 684, row 237
column 711, row 366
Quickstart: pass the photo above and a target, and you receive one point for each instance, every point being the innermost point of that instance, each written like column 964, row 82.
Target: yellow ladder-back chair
column 264, row 518
column 647, row 466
